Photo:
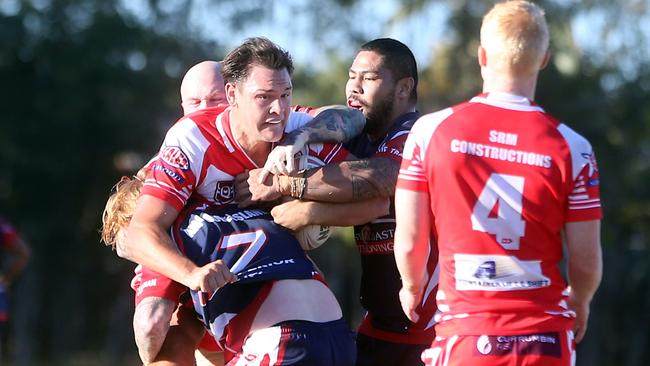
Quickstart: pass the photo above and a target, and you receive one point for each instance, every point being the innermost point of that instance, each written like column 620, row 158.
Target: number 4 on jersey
column 506, row 193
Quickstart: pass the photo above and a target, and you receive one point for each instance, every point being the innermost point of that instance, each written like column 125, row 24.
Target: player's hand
column 410, row 301
column 248, row 189
column 581, row 308
column 210, row 277
column 293, row 214
column 280, row 161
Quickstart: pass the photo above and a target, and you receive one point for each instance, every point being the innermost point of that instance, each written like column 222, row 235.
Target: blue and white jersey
column 253, row 247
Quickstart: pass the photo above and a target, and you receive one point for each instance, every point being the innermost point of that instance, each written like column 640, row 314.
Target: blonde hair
column 119, row 208
column 515, row 36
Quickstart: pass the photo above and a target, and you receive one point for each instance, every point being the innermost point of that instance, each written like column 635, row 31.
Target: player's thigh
column 208, row 358
column 376, row 352
column 536, row 349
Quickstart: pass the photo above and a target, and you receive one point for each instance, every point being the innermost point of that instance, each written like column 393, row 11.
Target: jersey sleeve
column 174, row 172
column 328, row 152
column 393, row 146
column 297, row 120
column 412, row 175
column 584, row 197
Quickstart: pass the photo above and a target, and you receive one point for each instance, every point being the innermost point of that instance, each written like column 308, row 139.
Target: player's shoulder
column 428, row 123
column 200, row 118
column 572, row 137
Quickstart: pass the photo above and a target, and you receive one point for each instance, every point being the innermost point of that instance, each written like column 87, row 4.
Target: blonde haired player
column 494, row 182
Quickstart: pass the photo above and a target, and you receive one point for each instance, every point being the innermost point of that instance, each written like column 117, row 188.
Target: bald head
column 202, row 87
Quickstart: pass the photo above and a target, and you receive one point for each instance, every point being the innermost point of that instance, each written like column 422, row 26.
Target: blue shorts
column 299, row 342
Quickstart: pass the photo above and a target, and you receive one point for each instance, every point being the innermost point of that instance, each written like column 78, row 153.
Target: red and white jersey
column 503, row 178
column 200, row 158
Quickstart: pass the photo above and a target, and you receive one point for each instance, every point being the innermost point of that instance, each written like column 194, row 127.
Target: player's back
column 504, row 178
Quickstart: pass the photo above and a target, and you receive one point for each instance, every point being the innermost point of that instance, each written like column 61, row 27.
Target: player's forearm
column 331, row 124
column 412, row 234
column 347, row 214
column 347, row 181
column 153, row 248
column 585, row 281
column 585, row 263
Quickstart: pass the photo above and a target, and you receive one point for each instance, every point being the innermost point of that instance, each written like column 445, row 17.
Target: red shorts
column 147, row 283
column 538, row 349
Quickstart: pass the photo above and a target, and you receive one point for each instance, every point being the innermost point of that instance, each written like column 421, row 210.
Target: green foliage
column 75, row 96
column 90, row 89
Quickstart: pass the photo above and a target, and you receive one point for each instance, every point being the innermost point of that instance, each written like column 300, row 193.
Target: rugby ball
column 311, row 236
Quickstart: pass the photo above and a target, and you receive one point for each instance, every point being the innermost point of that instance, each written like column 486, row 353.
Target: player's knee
column 150, row 326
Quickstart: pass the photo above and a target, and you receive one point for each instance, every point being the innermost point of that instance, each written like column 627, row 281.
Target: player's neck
column 379, row 132
column 256, row 150
column 522, row 86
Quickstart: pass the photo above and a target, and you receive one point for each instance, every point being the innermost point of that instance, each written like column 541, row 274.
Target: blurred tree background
column 91, row 86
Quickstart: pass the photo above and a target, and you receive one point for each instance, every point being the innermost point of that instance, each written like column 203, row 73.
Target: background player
column 497, row 180
column 15, row 256
column 382, row 84
column 202, row 87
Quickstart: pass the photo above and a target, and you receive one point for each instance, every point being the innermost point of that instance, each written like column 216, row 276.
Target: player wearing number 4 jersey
column 497, row 180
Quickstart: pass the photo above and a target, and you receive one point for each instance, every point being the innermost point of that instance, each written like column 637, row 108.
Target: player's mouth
column 354, row 103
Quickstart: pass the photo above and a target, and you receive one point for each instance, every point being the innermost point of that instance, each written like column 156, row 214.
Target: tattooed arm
column 331, row 124
column 347, row 181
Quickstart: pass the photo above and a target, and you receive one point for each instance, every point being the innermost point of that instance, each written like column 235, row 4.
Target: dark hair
column 254, row 51
column 398, row 58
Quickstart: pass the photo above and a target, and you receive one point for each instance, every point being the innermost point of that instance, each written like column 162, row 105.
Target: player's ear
column 405, row 86
column 547, row 57
column 230, row 93
column 482, row 56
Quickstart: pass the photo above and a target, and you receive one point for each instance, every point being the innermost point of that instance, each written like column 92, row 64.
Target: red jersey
column 200, row 158
column 503, row 178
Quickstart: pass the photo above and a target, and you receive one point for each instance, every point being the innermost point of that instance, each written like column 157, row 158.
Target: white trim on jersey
column 191, row 142
column 335, row 150
column 420, row 135
column 222, row 131
column 507, row 101
column 578, row 146
column 297, row 120
column 433, row 282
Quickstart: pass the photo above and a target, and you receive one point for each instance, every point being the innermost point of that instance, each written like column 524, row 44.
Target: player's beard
column 378, row 117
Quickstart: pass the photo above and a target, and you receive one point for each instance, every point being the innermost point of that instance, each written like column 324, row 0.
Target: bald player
column 202, row 87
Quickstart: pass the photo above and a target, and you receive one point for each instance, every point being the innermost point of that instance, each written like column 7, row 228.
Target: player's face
column 264, row 102
column 370, row 87
column 203, row 91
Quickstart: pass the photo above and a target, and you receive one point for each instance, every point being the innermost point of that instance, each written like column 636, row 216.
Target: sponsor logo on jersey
column 543, row 344
column 483, row 345
column 224, row 192
column 591, row 160
column 149, row 283
column 497, row 273
column 174, row 156
column 500, row 153
column 486, row 270
column 170, row 173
